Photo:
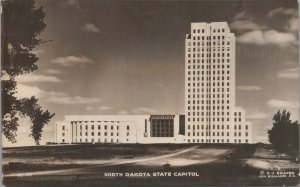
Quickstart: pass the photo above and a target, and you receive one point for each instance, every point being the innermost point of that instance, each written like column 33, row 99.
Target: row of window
column 207, row 49
column 208, row 60
column 92, row 127
column 215, row 134
column 213, row 119
column 209, row 95
column 240, row 127
column 208, row 37
column 209, row 72
column 214, row 30
column 213, row 79
column 215, row 141
column 237, row 119
column 215, row 67
column 80, row 122
column 210, row 44
column 208, row 134
column 208, row 55
column 198, row 30
column 207, row 127
column 100, row 141
column 99, row 134
column 207, row 107
column 210, row 90
column 194, row 119
column 212, row 113
column 207, row 102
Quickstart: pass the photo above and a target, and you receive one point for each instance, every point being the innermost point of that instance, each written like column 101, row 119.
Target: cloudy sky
column 127, row 57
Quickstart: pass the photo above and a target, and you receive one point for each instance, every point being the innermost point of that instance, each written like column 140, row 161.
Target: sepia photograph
column 150, row 93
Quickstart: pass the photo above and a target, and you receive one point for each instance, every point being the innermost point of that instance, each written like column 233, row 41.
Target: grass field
column 87, row 165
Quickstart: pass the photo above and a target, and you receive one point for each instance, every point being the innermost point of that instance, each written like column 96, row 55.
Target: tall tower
column 210, row 113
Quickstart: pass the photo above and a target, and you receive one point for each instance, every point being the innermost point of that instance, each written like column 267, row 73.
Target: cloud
column 72, row 3
column 292, row 73
column 143, row 110
column 290, row 63
column 289, row 13
column 103, row 108
column 292, row 24
column 242, row 15
column 245, row 25
column 53, row 97
column 28, row 91
column 122, row 112
column 89, row 108
column 72, row 61
column 53, row 71
column 38, row 51
column 272, row 37
column 69, row 100
column 283, row 104
column 160, row 85
column 89, row 27
column 258, row 116
column 37, row 78
column 249, row 88
column 282, row 11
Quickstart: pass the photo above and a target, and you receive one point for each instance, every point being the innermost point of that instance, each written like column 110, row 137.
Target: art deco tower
column 210, row 112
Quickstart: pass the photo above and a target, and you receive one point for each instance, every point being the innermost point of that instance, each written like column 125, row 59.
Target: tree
column 22, row 23
column 284, row 134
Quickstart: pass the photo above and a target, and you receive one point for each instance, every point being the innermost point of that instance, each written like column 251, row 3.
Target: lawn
column 86, row 165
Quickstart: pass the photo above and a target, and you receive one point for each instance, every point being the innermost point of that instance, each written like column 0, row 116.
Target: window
column 93, row 127
column 63, row 134
column 63, row 128
column 127, row 127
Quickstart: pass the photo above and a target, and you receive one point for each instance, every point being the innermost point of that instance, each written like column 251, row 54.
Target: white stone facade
column 116, row 129
column 210, row 86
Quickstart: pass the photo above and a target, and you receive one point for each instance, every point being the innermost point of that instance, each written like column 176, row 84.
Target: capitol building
column 210, row 112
